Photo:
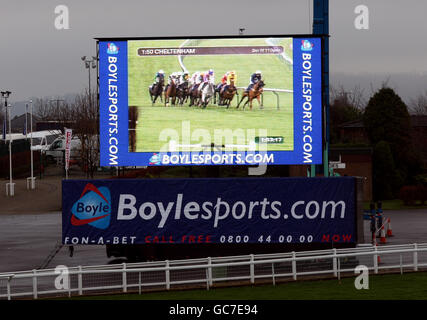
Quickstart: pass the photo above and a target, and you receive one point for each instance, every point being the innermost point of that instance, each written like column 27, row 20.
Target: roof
column 18, row 123
column 352, row 124
column 419, row 121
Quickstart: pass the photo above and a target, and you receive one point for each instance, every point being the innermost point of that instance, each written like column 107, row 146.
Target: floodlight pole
column 321, row 27
column 31, row 181
column 89, row 63
column 10, row 186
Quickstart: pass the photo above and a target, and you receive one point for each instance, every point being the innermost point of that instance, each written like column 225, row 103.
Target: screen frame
column 324, row 85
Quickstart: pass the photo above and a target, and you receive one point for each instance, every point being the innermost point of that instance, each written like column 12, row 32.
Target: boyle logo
column 155, row 159
column 112, row 48
column 92, row 208
column 306, row 45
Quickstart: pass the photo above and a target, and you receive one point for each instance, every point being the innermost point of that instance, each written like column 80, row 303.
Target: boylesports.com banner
column 229, row 210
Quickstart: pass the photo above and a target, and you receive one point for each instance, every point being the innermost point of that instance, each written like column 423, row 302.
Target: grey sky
column 37, row 60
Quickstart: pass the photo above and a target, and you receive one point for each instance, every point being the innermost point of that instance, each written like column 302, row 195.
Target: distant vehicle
column 56, row 150
column 43, row 139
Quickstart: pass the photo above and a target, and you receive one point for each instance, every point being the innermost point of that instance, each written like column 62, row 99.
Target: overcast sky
column 37, row 60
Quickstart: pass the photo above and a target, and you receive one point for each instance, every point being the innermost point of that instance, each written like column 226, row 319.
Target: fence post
column 8, row 287
column 375, row 260
column 294, row 265
column 125, row 289
column 139, row 282
column 334, row 262
column 168, row 284
column 80, row 281
column 34, row 284
column 272, row 273
column 210, row 271
column 277, row 99
column 207, row 278
column 415, row 257
column 252, row 269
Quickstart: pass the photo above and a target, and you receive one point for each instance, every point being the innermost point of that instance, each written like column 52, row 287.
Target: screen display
column 210, row 101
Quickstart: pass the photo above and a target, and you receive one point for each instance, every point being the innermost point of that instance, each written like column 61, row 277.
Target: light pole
column 89, row 63
column 10, row 187
column 5, row 95
column 31, row 181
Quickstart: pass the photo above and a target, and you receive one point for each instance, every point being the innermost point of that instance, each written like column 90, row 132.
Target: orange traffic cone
column 389, row 231
column 382, row 238
column 378, row 257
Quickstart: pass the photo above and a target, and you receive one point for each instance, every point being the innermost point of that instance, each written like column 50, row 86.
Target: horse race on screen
column 191, row 94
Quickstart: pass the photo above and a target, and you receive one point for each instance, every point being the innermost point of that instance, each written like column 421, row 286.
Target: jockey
column 183, row 78
column 159, row 76
column 230, row 77
column 208, row 77
column 174, row 76
column 226, row 80
column 195, row 80
column 255, row 77
column 223, row 81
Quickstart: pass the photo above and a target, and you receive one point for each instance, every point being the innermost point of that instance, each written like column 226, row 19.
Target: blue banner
column 225, row 210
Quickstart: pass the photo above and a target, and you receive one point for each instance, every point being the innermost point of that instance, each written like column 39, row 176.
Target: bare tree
column 418, row 105
column 354, row 97
column 43, row 109
column 86, row 126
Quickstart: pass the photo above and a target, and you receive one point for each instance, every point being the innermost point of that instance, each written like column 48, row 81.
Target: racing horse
column 156, row 90
column 170, row 92
column 206, row 93
column 254, row 93
column 194, row 95
column 227, row 95
column 182, row 92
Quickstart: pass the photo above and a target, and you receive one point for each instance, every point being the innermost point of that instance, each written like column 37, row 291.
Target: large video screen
column 210, row 101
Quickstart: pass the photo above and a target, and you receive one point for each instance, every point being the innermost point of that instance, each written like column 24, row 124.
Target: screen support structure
column 321, row 27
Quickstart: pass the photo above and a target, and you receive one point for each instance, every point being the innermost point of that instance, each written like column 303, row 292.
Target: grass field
column 410, row 286
column 244, row 125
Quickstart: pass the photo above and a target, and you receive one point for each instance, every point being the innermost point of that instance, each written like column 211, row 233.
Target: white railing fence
column 206, row 272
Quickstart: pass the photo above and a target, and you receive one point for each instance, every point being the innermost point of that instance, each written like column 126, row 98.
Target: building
column 358, row 163
column 18, row 123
